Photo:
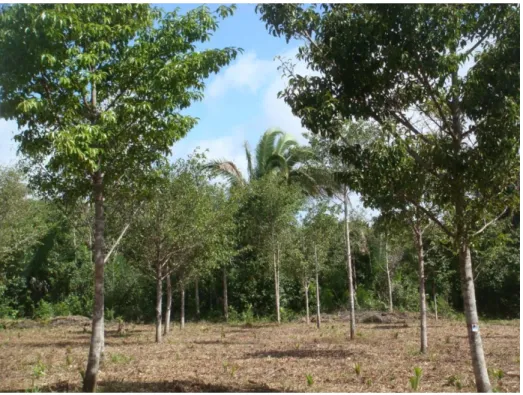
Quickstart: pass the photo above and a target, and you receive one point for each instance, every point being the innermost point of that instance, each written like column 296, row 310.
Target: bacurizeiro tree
column 443, row 82
column 97, row 92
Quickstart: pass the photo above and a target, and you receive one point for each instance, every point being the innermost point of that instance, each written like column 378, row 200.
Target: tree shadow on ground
column 398, row 326
column 161, row 386
column 303, row 353
column 63, row 344
column 222, row 342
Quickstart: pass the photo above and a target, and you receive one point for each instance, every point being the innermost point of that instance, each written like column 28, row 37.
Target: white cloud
column 276, row 112
column 229, row 147
column 8, row 146
column 248, row 73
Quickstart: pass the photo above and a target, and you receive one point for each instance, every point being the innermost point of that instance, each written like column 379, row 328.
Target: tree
column 97, row 92
column 271, row 206
column 319, row 226
column 276, row 152
column 400, row 66
column 337, row 179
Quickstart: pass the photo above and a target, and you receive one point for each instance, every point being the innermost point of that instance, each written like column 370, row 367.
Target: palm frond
column 314, row 181
column 265, row 149
column 277, row 162
column 299, row 155
column 285, row 142
column 249, row 159
column 227, row 169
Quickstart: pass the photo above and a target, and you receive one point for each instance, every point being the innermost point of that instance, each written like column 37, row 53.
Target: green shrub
column 233, row 315
column 43, row 311
column 109, row 314
column 78, row 306
column 61, row 308
column 368, row 301
column 248, row 315
column 287, row 315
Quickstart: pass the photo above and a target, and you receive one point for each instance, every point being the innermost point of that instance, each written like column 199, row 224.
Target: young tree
column 97, row 92
column 271, row 205
column 319, row 226
column 338, row 179
column 400, row 66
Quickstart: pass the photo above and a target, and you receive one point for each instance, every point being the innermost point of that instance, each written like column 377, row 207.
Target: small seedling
column 455, row 381
column 396, row 335
column 39, row 369
column 359, row 334
column 357, row 369
column 415, row 380
column 498, row 374
column 297, row 346
column 82, row 373
column 369, row 382
column 234, row 368
column 310, row 380
column 225, row 366
column 120, row 358
column 223, row 333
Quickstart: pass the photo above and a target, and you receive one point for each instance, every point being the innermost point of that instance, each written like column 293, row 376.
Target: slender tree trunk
column 182, row 307
column 159, row 294
column 277, row 286
column 422, row 296
column 471, row 315
column 349, row 266
column 225, row 295
column 389, row 281
column 318, row 312
column 354, row 276
column 197, row 297
column 435, row 299
column 168, row 307
column 97, row 335
column 306, row 289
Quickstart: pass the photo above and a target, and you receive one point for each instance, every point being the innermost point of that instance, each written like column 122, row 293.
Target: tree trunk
column 471, row 315
column 159, row 294
column 349, row 266
column 225, row 295
column 197, row 297
column 306, row 288
column 318, row 313
column 389, row 281
column 422, row 296
column 168, row 307
column 182, row 307
column 435, row 299
column 354, row 282
column 97, row 335
column 277, row 286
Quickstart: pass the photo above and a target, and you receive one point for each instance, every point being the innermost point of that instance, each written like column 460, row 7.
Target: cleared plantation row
column 263, row 357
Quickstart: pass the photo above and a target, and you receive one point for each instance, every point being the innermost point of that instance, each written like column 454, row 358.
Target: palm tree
column 276, row 152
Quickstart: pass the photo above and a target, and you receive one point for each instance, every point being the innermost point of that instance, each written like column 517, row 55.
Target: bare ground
column 260, row 358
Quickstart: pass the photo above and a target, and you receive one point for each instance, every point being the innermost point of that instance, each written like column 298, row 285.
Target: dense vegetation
column 196, row 239
column 46, row 265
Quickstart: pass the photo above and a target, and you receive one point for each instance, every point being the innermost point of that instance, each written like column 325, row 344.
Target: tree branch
column 490, row 223
column 431, row 216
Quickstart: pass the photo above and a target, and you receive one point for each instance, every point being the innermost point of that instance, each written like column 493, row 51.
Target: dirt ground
column 264, row 358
